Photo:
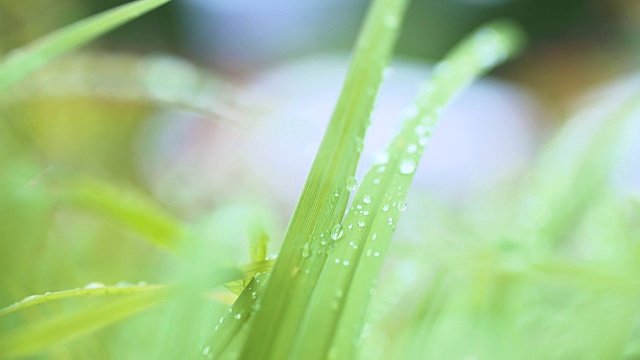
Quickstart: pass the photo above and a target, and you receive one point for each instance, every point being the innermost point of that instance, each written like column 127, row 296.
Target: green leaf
column 325, row 195
column 572, row 172
column 23, row 61
column 74, row 293
column 129, row 207
column 158, row 79
column 338, row 309
column 36, row 337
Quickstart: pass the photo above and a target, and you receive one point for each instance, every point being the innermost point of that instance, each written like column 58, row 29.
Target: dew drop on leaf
column 305, row 250
column 380, row 158
column 337, row 232
column 94, row 285
column 407, row 167
column 352, row 183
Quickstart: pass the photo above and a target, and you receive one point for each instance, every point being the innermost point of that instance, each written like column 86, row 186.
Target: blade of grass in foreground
column 74, row 293
column 34, row 338
column 23, row 61
column 325, row 194
column 338, row 310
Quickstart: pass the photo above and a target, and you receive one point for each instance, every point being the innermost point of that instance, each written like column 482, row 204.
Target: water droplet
column 376, row 254
column 376, row 181
column 124, row 284
column 329, row 249
column 238, row 316
column 365, row 213
column 352, row 183
column 381, row 158
column 368, row 253
column 374, row 236
column 412, row 148
column 361, row 223
column 337, row 232
column 421, row 130
column 366, row 198
column 423, row 141
column 337, row 261
column 403, row 206
column 206, row 350
column 385, row 207
column 94, row 285
column 407, row 167
column 305, row 250
column 345, row 263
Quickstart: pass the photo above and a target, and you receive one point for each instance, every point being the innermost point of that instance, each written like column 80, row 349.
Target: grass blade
column 22, row 62
column 128, row 207
column 34, row 338
column 324, row 197
column 74, row 293
column 160, row 80
column 572, row 172
column 355, row 263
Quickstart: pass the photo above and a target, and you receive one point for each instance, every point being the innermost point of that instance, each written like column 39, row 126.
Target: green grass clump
column 512, row 282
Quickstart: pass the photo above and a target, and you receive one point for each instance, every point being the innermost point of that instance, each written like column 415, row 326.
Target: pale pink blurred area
column 487, row 136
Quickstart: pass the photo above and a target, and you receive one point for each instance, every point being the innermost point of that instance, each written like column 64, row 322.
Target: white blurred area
column 486, row 136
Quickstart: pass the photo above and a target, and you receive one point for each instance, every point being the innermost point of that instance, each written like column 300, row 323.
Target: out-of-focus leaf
column 23, row 61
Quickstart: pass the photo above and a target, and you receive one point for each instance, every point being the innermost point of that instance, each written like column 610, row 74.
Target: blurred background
column 202, row 102
column 206, row 103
